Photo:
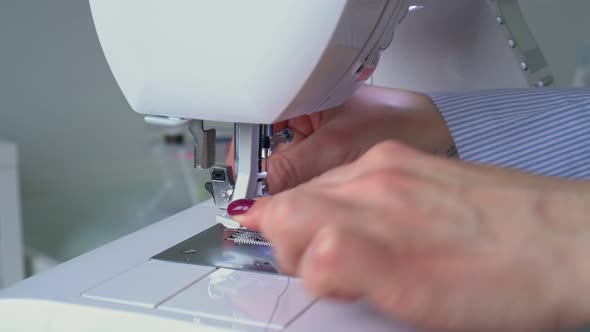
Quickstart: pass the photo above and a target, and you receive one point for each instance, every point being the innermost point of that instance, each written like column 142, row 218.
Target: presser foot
column 227, row 221
column 222, row 185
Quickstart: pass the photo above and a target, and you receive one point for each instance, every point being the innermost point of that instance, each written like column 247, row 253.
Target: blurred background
column 90, row 170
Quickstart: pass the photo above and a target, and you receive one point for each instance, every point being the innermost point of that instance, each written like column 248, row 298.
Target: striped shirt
column 544, row 131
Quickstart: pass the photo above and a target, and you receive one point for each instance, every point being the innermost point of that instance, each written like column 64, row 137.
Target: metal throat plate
column 215, row 247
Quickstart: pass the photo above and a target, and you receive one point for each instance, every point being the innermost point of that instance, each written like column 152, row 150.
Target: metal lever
column 205, row 144
column 222, row 185
column 283, row 136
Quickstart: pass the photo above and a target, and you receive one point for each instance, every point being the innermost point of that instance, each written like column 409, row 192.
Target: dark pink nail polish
column 239, row 206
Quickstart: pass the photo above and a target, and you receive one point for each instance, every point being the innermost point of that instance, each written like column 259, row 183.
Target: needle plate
column 222, row 247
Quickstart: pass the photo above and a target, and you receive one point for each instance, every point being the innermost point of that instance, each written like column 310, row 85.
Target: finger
column 344, row 260
column 386, row 205
column 291, row 219
column 301, row 162
column 302, row 124
column 412, row 208
column 290, row 226
column 252, row 218
column 278, row 126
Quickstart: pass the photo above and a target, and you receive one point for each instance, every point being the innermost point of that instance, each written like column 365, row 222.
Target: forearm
column 566, row 212
column 556, row 234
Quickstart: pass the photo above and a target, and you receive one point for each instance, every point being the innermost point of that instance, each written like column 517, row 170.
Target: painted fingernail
column 239, row 206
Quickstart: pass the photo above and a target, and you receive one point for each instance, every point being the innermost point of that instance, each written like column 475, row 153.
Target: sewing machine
column 189, row 272
column 171, row 62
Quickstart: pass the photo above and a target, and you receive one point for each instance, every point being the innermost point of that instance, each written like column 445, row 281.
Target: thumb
column 251, row 219
column 306, row 158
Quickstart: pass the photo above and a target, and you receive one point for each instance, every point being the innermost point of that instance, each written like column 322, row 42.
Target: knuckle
column 329, row 244
column 324, row 259
column 382, row 181
column 279, row 218
column 383, row 152
column 286, row 207
column 373, row 184
column 389, row 147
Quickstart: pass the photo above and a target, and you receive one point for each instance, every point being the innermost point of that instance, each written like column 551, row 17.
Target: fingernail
column 239, row 206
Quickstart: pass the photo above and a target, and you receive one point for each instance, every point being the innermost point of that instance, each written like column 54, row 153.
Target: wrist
column 566, row 212
column 440, row 138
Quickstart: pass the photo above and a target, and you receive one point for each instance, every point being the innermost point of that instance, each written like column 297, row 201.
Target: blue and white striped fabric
column 544, row 131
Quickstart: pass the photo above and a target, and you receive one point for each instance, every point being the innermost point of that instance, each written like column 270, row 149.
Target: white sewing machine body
column 118, row 288
column 229, row 60
column 185, row 61
column 152, row 280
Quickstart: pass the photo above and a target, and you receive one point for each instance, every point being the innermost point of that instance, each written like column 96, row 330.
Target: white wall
column 450, row 45
column 11, row 240
column 58, row 99
column 457, row 45
column 87, row 166
column 561, row 27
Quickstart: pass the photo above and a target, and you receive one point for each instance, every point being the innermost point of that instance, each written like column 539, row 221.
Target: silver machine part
column 248, row 165
column 205, row 144
column 247, row 237
column 226, row 248
column 222, row 185
column 283, row 136
column 266, row 144
column 220, row 246
column 252, row 148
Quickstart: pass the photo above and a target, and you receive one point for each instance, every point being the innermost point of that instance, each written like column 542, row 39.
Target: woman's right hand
column 334, row 137
column 441, row 244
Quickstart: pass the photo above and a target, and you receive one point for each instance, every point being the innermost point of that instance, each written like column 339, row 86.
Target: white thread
column 277, row 303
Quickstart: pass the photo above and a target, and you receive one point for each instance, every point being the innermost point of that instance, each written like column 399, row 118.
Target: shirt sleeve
column 540, row 130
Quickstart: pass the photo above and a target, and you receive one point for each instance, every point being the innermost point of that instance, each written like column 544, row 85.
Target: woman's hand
column 340, row 135
column 438, row 242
